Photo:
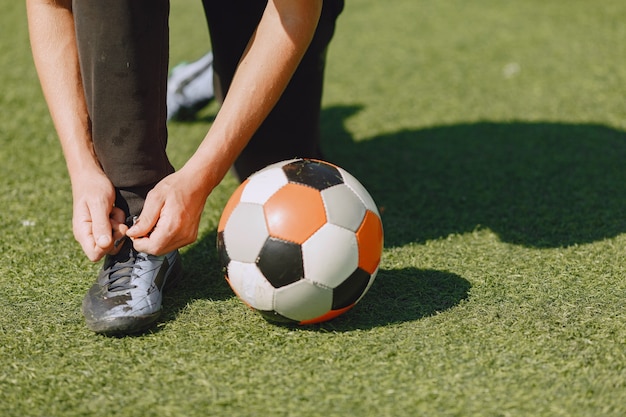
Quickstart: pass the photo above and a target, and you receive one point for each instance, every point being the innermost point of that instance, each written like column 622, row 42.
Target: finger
column 101, row 227
column 156, row 240
column 166, row 237
column 119, row 228
column 83, row 235
column 156, row 245
column 117, row 215
column 148, row 245
column 146, row 222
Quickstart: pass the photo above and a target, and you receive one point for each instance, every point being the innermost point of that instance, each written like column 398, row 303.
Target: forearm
column 275, row 51
column 53, row 43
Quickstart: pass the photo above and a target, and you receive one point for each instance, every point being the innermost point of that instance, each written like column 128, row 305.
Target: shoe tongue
column 125, row 254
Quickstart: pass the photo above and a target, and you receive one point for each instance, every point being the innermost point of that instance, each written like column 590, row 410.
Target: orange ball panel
column 370, row 240
column 328, row 316
column 294, row 213
column 230, row 206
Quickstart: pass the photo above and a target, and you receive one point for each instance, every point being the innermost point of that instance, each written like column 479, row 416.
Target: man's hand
column 97, row 224
column 171, row 213
column 170, row 216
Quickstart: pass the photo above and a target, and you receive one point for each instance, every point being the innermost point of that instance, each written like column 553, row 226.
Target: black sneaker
column 127, row 295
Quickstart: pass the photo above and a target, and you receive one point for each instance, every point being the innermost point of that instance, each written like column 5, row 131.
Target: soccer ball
column 300, row 241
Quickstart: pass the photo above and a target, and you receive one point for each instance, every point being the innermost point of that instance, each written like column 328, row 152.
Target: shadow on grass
column 534, row 184
column 397, row 295
column 537, row 184
column 203, row 277
column 403, row 295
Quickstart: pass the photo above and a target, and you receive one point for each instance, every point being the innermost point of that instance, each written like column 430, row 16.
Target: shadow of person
column 536, row 184
column 203, row 278
column 396, row 296
column 403, row 295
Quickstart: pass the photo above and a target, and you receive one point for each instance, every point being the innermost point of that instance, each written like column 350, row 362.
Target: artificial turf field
column 492, row 136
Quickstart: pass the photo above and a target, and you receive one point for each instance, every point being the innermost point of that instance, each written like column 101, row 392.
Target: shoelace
column 120, row 273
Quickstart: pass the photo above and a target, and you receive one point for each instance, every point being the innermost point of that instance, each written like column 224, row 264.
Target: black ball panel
column 281, row 262
column 221, row 251
column 349, row 291
column 315, row 174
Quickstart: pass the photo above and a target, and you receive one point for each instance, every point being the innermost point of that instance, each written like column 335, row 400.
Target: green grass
column 492, row 135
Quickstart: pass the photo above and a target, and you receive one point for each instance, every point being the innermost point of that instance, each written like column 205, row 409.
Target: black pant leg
column 292, row 128
column 123, row 52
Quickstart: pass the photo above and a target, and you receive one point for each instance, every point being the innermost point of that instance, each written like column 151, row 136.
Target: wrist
column 81, row 169
column 199, row 179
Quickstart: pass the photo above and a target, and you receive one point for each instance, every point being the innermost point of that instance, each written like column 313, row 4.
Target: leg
column 292, row 128
column 123, row 52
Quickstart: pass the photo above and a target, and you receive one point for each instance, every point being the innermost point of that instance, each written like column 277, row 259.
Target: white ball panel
column 245, row 232
column 303, row 300
column 343, row 207
column 330, row 255
column 263, row 185
column 250, row 285
column 360, row 190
